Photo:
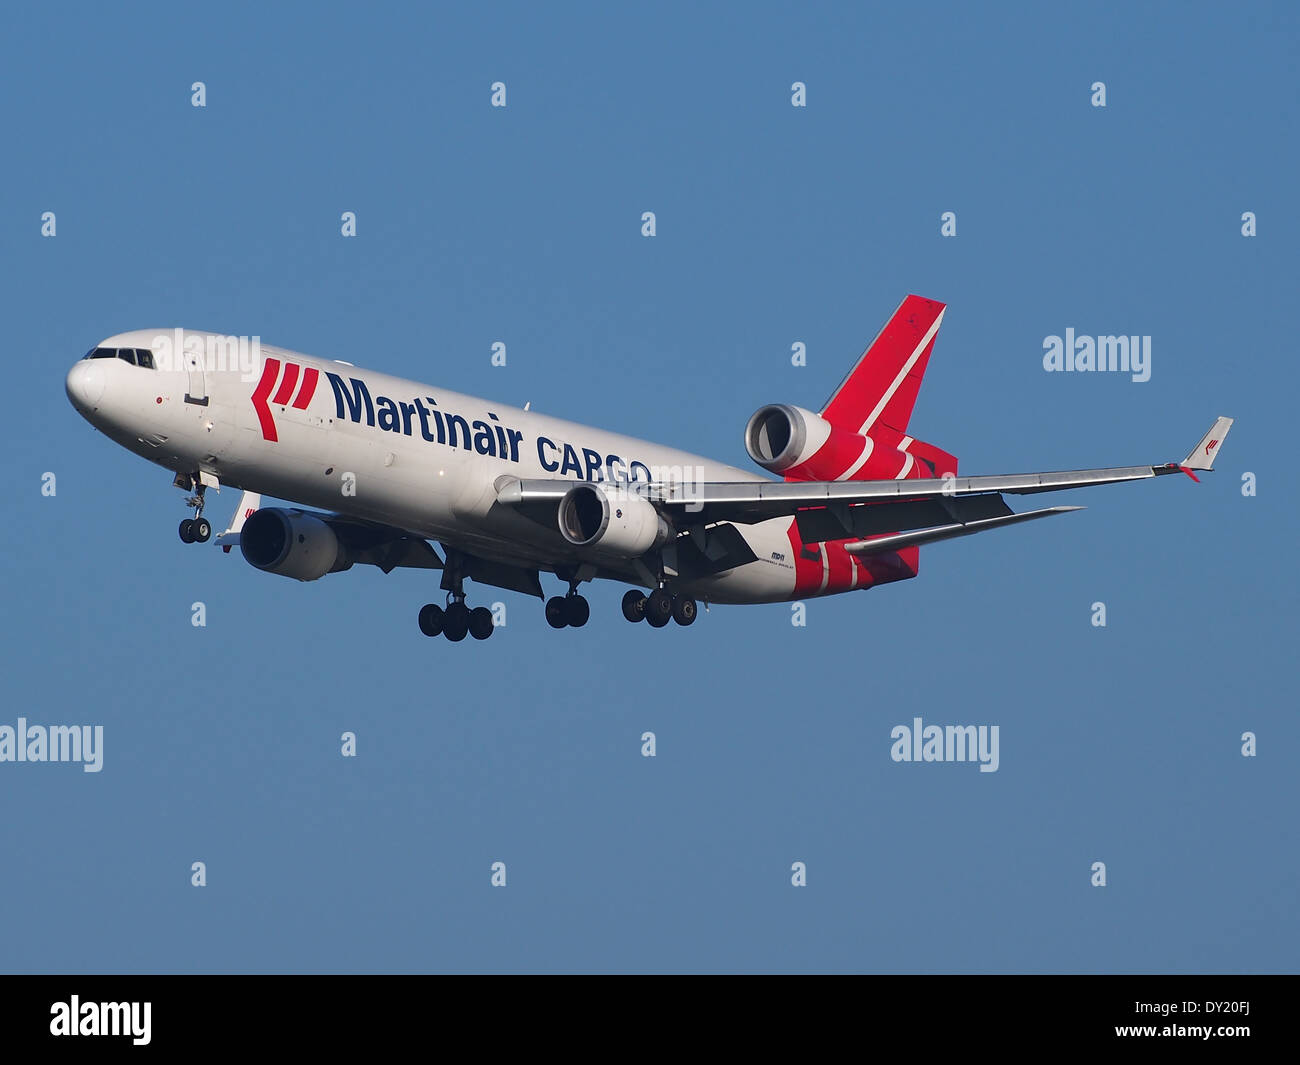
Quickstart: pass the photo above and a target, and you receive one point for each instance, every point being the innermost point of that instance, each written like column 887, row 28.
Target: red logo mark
column 1211, row 446
column 270, row 375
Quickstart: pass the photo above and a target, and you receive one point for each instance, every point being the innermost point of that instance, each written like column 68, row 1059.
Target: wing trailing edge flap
column 498, row 574
column 406, row 551
column 838, row 521
column 948, row 532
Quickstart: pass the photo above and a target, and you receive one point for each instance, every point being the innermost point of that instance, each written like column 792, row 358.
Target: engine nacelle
column 806, row 447
column 606, row 517
column 292, row 544
column 780, row 437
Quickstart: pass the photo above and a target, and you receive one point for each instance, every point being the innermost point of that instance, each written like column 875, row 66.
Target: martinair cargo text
column 392, row 467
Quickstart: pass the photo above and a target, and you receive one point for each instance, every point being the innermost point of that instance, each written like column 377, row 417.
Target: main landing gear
column 570, row 610
column 456, row 620
column 195, row 530
column 659, row 607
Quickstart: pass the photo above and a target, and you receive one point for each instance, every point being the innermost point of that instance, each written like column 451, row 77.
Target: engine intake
column 780, row 436
column 291, row 544
column 608, row 518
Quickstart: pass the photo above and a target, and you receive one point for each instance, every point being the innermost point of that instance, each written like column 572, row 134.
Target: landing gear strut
column 456, row 620
column 196, row 529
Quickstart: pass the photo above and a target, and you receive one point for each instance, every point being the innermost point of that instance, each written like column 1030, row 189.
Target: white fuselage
column 384, row 449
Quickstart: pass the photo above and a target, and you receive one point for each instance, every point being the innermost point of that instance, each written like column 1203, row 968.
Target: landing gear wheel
column 576, row 611
column 659, row 608
column 431, row 619
column 202, row 530
column 187, row 531
column 455, row 622
column 634, row 605
column 480, row 623
column 684, row 609
column 557, row 614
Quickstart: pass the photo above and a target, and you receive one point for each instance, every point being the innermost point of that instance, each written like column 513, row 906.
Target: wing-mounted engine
column 292, row 544
column 306, row 546
column 607, row 518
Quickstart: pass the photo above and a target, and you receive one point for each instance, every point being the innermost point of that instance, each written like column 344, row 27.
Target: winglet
column 1203, row 454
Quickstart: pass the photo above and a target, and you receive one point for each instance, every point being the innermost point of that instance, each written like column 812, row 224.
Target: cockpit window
column 135, row 356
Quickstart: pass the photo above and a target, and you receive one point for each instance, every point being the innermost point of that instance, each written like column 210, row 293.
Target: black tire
column 455, row 622
column 202, row 530
column 431, row 619
column 480, row 623
column 659, row 608
column 576, row 611
column 684, row 609
column 634, row 605
column 187, row 531
column 557, row 614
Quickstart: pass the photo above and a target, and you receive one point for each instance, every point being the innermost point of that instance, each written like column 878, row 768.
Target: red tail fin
column 881, row 389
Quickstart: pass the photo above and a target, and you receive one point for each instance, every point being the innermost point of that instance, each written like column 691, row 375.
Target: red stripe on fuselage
column 807, row 568
column 270, row 371
column 839, row 568
column 286, row 386
column 309, row 378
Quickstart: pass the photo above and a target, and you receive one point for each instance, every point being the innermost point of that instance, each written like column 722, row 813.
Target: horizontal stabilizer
column 946, row 532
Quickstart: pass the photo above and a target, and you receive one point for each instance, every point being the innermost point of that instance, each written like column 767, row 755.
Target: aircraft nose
column 85, row 385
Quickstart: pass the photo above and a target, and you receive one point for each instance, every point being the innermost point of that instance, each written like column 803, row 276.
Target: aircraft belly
column 770, row 578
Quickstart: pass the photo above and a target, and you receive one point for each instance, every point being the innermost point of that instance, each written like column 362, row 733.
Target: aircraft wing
column 832, row 510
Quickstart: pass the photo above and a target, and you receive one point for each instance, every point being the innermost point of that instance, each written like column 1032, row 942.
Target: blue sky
column 775, row 224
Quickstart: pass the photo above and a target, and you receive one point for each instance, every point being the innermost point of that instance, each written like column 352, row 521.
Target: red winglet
column 1190, row 474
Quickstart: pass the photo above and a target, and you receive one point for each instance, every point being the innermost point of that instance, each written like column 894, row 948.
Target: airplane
column 392, row 466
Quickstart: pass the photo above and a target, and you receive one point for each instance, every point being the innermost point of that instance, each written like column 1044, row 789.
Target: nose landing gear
column 195, row 530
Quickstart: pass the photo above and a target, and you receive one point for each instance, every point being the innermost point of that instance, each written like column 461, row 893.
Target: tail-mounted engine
column 802, row 445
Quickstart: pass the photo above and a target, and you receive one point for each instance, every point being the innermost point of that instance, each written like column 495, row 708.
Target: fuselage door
column 197, row 392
